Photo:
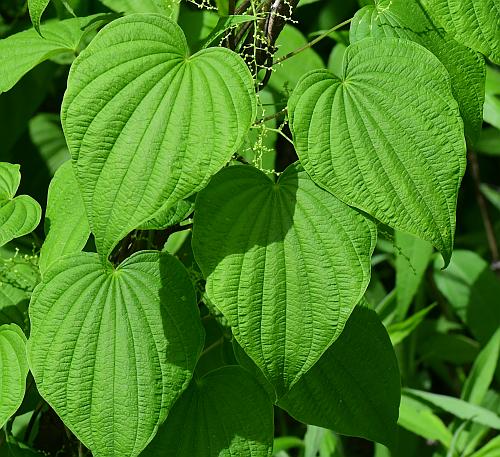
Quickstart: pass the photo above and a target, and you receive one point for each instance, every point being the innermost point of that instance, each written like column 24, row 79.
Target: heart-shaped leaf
column 224, row 413
column 20, row 215
column 406, row 19
column 66, row 222
column 112, row 349
column 387, row 138
column 149, row 126
column 474, row 23
column 13, row 370
column 285, row 263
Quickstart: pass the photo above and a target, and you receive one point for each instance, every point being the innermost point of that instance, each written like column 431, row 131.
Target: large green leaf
column 474, row 23
column 18, row 215
column 225, row 413
column 112, row 349
column 406, row 19
column 169, row 121
column 23, row 51
column 13, row 370
column 285, row 262
column 36, row 9
column 354, row 388
column 471, row 288
column 387, row 138
column 66, row 222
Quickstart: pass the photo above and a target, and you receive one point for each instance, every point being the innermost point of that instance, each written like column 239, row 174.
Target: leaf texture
column 225, row 413
column 169, row 8
column 285, row 263
column 112, row 350
column 387, row 138
column 23, row 51
column 66, row 225
column 147, row 124
column 18, row 215
column 13, row 370
column 36, row 9
column 474, row 23
column 406, row 19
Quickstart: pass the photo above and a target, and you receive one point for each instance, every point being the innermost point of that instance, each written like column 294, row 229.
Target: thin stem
column 272, row 116
column 32, row 421
column 312, row 43
column 483, row 208
column 212, row 346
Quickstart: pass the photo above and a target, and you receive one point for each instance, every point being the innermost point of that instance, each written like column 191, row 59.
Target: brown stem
column 483, row 208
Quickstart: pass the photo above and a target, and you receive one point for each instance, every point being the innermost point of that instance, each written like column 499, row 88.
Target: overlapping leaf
column 23, row 51
column 36, row 9
column 474, row 23
column 111, row 350
column 354, row 388
column 406, row 19
column 285, row 263
column 18, row 215
column 66, row 225
column 147, row 124
column 13, row 370
column 387, row 138
column 224, row 413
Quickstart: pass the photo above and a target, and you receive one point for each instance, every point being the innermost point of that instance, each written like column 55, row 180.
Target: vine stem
column 311, row 43
column 483, row 208
column 271, row 116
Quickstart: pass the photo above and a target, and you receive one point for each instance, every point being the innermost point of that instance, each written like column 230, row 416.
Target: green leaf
column 491, row 449
column 13, row 370
column 285, row 263
column 176, row 120
column 225, row 413
column 169, row 8
column 286, row 75
column 47, row 135
column 354, row 388
column 66, row 222
column 412, row 258
column 110, row 349
column 406, row 19
column 482, row 372
column 36, row 9
column 419, row 419
column 459, row 408
column 475, row 24
column 492, row 194
column 23, row 51
column 471, row 288
column 399, row 331
column 383, row 141
column 489, row 143
column 20, row 215
column 170, row 216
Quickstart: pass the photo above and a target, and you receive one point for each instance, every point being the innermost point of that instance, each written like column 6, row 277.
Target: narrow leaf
column 285, row 262
column 224, row 413
column 400, row 330
column 66, row 226
column 13, row 370
column 36, row 9
column 111, row 350
column 172, row 120
column 459, row 408
column 383, row 141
